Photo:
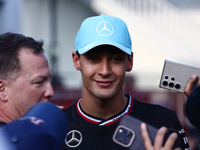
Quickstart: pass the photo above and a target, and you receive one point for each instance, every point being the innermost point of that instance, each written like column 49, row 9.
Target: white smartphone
column 175, row 76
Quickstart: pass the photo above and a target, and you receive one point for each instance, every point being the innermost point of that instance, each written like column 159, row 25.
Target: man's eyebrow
column 44, row 76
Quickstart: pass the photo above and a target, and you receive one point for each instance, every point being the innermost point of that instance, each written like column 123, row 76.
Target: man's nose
column 104, row 68
column 49, row 91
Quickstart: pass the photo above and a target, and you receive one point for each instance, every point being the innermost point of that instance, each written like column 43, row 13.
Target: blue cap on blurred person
column 103, row 30
column 43, row 127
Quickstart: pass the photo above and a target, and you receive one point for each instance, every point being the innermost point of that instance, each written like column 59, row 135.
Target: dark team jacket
column 89, row 133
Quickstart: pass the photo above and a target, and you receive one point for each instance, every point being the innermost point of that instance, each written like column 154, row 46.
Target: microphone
column 43, row 127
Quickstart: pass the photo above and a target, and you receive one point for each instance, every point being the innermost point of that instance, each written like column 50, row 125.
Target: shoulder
column 71, row 110
column 155, row 115
column 70, row 107
column 142, row 106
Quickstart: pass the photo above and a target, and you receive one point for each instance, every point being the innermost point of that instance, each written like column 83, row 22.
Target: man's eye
column 92, row 58
column 117, row 59
column 39, row 82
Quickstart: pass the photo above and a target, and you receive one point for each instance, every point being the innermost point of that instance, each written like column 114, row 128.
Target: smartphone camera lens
column 165, row 83
column 171, row 84
column 125, row 132
column 118, row 137
column 125, row 140
column 177, row 86
column 166, row 77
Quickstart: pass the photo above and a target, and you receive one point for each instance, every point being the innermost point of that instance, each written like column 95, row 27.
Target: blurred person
column 103, row 56
column 189, row 87
column 43, row 127
column 192, row 105
column 24, row 76
column 192, row 111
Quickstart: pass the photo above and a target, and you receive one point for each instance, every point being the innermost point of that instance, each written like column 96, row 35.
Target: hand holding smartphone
column 175, row 76
column 128, row 133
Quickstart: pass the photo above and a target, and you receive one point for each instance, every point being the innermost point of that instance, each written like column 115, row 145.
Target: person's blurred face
column 31, row 86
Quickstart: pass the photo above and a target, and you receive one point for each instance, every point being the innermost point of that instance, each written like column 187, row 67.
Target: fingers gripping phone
column 128, row 134
column 175, row 76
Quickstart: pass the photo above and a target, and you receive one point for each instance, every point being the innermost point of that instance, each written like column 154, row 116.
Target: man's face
column 32, row 85
column 103, row 70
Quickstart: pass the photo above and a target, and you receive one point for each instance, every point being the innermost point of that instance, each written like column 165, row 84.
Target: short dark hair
column 10, row 45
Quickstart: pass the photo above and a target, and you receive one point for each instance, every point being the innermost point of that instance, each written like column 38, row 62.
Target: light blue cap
column 103, row 30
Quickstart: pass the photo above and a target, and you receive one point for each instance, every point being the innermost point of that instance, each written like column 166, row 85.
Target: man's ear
column 76, row 61
column 3, row 90
column 130, row 63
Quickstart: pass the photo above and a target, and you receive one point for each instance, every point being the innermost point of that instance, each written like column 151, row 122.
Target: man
column 24, row 76
column 103, row 56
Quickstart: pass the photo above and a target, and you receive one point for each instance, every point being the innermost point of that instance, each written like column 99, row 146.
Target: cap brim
column 92, row 45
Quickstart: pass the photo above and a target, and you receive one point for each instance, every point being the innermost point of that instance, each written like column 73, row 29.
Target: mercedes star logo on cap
column 104, row 28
